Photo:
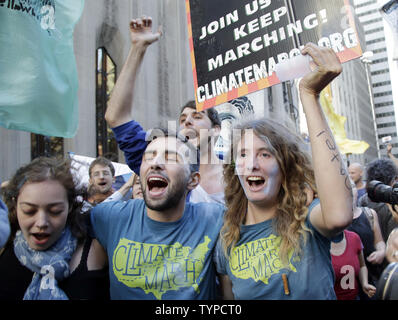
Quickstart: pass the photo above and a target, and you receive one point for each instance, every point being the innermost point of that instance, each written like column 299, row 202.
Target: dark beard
column 107, row 191
column 174, row 196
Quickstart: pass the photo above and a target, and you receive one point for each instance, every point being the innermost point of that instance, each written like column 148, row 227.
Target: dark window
column 375, row 41
column 366, row 4
column 380, row 84
column 105, row 81
column 380, row 72
column 386, row 125
column 385, row 114
column 384, row 104
column 382, row 94
column 380, row 50
column 46, row 146
column 374, row 30
column 372, row 21
column 367, row 13
column 381, row 136
column 380, row 60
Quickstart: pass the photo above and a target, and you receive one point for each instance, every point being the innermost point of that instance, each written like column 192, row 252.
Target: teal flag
column 38, row 76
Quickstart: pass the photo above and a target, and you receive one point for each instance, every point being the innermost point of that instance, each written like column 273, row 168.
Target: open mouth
column 255, row 182
column 157, row 185
column 190, row 134
column 138, row 192
column 40, row 238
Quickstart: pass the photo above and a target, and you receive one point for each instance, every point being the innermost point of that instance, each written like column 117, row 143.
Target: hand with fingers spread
column 327, row 66
column 121, row 102
column 141, row 31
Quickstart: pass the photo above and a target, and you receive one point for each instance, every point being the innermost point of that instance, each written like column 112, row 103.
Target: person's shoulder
column 3, row 207
column 208, row 206
column 363, row 200
column 107, row 205
column 352, row 235
column 207, row 210
column 371, row 214
column 3, row 211
column 119, row 207
column 313, row 204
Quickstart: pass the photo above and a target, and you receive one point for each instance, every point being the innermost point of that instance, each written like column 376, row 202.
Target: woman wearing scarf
column 49, row 255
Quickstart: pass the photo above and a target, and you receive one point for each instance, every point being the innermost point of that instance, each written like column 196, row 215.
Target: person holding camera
column 382, row 196
column 384, row 171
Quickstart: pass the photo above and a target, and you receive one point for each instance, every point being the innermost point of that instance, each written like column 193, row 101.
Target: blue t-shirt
column 255, row 268
column 361, row 192
column 149, row 259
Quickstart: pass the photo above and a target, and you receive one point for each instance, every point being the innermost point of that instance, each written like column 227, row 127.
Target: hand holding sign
column 141, row 32
column 327, row 66
column 293, row 68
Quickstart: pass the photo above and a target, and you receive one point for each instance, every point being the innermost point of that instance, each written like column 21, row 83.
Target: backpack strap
column 370, row 216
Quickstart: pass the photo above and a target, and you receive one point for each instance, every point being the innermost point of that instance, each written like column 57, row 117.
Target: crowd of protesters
column 269, row 221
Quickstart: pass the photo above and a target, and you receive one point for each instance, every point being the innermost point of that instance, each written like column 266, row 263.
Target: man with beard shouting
column 202, row 128
column 161, row 247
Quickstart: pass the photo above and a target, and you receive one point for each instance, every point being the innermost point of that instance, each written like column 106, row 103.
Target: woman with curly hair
column 49, row 255
column 272, row 245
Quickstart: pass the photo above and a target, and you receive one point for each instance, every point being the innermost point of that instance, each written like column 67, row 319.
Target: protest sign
column 236, row 44
column 38, row 79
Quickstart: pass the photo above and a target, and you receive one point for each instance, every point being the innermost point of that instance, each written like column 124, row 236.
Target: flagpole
column 296, row 41
column 366, row 61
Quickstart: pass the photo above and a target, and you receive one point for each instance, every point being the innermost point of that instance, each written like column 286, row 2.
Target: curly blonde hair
column 297, row 177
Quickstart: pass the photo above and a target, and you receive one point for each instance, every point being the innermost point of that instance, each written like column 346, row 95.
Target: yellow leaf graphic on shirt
column 258, row 260
column 158, row 268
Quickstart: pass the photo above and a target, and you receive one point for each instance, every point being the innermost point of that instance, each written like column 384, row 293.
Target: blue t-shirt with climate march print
column 255, row 268
column 149, row 259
